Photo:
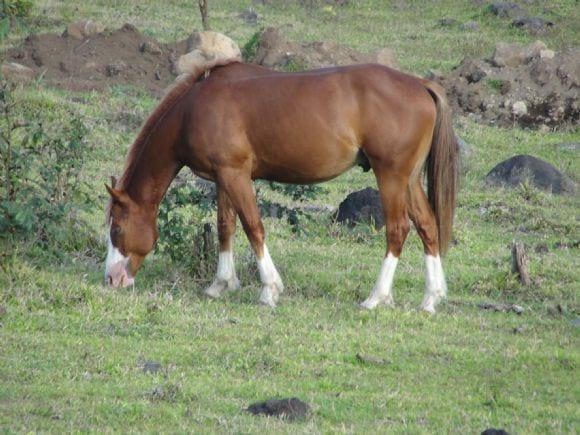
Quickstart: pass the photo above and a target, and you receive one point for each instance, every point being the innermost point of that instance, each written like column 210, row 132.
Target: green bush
column 41, row 184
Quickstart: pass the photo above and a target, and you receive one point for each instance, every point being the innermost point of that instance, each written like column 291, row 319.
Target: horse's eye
column 115, row 231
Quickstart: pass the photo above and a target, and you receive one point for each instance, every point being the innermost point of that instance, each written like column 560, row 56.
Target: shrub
column 41, row 180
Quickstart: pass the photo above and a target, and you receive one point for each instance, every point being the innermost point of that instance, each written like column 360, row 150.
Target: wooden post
column 204, row 14
column 520, row 263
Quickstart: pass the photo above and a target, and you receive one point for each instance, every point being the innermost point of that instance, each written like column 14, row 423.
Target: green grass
column 71, row 349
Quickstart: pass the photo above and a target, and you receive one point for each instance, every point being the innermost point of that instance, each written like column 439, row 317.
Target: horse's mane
column 174, row 93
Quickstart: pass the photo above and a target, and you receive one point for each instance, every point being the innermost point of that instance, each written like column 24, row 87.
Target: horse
column 233, row 123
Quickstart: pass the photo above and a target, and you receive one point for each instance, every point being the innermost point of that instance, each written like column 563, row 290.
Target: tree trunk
column 204, row 14
column 520, row 263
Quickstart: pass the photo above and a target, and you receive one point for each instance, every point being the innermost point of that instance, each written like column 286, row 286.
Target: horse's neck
column 153, row 172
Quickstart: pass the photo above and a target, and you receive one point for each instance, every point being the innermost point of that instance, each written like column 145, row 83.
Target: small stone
column 150, row 47
column 519, row 108
column 151, row 367
column 547, row 54
column 249, row 16
column 568, row 146
column 448, row 22
column 506, row 9
column 113, row 69
column 17, row 72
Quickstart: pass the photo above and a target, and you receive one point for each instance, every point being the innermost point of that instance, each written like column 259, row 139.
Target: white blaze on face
column 382, row 291
column 435, row 286
column 116, row 266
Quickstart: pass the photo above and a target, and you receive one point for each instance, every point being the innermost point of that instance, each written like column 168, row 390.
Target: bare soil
column 121, row 57
column 548, row 87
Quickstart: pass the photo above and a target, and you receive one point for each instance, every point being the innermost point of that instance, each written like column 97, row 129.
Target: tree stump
column 520, row 263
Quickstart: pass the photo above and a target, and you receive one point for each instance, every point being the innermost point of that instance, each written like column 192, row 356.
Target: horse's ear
column 113, row 181
column 116, row 195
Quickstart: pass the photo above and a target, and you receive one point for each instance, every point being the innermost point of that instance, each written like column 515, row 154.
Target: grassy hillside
column 72, row 350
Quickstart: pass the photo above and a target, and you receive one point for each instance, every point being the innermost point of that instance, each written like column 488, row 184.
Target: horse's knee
column 396, row 234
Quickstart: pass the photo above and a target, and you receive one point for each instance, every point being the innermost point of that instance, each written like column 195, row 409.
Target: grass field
column 72, row 350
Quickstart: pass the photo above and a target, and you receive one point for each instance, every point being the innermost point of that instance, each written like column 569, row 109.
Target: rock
column 547, row 54
column 535, row 25
column 371, row 360
column 514, row 55
column 448, row 22
column 249, row 16
column 151, row 367
column 470, row 25
column 518, row 169
column 507, row 9
column 519, row 108
column 363, row 206
column 204, row 48
column 505, row 308
column 507, row 54
column 472, row 70
column 115, row 68
column 213, row 42
column 83, row 29
column 465, row 150
column 151, row 48
column 386, row 56
column 492, row 431
column 291, row 409
column 16, row 72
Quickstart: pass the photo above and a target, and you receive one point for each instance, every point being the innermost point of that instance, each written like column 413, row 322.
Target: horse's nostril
column 110, row 280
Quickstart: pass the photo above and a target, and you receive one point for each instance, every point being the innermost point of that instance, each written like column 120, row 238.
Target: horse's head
column 132, row 235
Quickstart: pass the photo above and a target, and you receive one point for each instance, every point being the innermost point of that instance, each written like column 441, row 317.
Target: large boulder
column 213, row 42
column 363, row 206
column 205, row 48
column 519, row 169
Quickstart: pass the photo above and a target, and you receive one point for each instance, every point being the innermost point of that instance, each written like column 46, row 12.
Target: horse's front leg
column 226, row 279
column 238, row 185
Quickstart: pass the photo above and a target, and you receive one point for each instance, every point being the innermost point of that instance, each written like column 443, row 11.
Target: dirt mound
column 530, row 86
column 274, row 51
column 122, row 57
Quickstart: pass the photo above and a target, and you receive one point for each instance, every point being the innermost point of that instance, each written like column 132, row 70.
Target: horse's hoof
column 216, row 290
column 372, row 303
column 269, row 295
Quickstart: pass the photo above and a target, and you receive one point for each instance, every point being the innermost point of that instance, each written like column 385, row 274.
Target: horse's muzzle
column 118, row 276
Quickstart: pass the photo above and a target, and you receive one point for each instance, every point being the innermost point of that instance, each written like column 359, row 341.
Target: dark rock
column 535, row 25
column 291, row 409
column 371, row 360
column 151, row 367
column 448, row 22
column 249, row 16
column 363, row 206
column 472, row 71
column 507, row 10
column 542, row 248
column 492, row 431
column 505, row 308
column 518, row 169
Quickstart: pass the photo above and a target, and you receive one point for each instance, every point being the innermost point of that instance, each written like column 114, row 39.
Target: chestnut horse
column 234, row 123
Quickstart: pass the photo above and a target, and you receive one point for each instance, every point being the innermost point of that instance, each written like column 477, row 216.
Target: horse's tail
column 442, row 167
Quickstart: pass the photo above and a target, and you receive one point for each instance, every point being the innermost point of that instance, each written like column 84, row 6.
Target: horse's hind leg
column 424, row 220
column 226, row 279
column 393, row 191
column 238, row 185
